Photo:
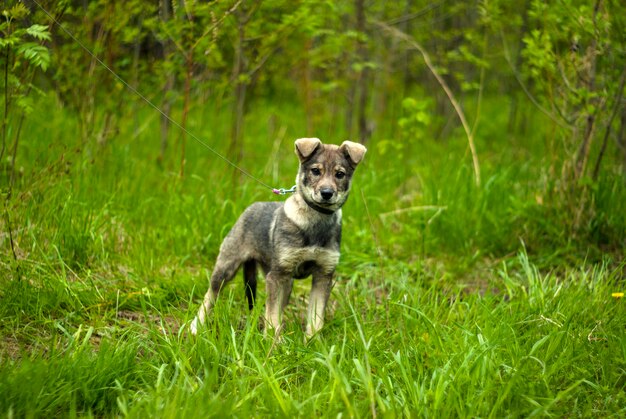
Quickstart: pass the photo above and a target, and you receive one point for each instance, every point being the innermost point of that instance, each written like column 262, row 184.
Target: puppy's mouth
column 328, row 206
column 326, row 203
column 326, row 199
column 331, row 202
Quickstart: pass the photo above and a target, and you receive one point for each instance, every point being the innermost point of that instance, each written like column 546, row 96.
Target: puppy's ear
column 305, row 147
column 354, row 151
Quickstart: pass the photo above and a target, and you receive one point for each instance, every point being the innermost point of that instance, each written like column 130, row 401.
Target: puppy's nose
column 327, row 193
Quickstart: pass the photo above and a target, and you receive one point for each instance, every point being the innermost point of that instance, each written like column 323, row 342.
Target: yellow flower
column 617, row 294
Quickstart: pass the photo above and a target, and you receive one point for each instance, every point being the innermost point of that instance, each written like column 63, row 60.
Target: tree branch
column 607, row 133
column 534, row 101
column 457, row 107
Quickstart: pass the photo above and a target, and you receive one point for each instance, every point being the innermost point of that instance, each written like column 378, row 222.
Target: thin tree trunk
column 363, row 74
column 308, row 93
column 16, row 143
column 513, row 110
column 136, row 57
column 351, row 93
column 621, row 138
column 88, row 103
column 350, row 98
column 585, row 146
column 183, row 123
column 406, row 74
column 5, row 118
column 239, row 70
column 166, row 106
column 9, row 227
column 607, row 132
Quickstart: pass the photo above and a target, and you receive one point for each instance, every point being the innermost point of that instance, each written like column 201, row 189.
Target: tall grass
column 547, row 345
column 450, row 299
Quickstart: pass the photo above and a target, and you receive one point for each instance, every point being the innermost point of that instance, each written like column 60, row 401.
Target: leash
column 280, row 191
column 283, row 191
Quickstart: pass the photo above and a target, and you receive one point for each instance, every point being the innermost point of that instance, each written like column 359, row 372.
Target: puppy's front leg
column 320, row 291
column 278, row 289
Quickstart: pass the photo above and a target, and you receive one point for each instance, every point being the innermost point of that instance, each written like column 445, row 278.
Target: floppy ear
column 305, row 147
column 354, row 151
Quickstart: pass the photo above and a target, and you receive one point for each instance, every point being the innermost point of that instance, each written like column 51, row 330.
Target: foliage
column 22, row 55
column 16, row 40
column 570, row 59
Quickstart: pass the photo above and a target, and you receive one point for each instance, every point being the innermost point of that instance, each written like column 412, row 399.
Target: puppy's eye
column 316, row 171
column 340, row 175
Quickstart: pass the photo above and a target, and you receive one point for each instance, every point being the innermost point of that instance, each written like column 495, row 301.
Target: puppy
column 291, row 240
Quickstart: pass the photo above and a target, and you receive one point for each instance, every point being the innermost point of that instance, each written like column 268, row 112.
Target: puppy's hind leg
column 249, row 280
column 225, row 269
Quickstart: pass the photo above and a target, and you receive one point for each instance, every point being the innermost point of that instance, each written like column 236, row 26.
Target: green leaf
column 36, row 54
column 409, row 103
column 39, row 32
column 9, row 41
column 19, row 11
column 26, row 104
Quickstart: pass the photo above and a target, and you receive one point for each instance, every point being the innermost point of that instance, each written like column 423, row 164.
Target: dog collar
column 318, row 208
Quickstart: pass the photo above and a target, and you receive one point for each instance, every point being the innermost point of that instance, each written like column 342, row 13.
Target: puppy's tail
column 249, row 281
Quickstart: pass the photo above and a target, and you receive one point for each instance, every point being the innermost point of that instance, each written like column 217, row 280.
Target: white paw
column 193, row 327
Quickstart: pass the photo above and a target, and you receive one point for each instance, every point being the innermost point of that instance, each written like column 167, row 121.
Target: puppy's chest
column 303, row 261
column 302, row 251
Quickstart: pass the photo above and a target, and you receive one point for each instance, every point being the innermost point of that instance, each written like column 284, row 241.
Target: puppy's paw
column 193, row 327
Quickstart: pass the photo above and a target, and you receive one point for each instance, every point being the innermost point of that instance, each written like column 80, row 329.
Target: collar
column 318, row 208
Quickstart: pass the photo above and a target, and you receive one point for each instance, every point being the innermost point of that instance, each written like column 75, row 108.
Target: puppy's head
column 326, row 171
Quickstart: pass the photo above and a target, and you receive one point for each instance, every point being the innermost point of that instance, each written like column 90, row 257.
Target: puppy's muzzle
column 327, row 194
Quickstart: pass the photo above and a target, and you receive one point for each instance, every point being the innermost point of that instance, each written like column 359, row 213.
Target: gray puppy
column 294, row 239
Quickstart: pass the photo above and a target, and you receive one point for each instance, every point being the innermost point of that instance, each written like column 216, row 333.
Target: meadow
column 451, row 299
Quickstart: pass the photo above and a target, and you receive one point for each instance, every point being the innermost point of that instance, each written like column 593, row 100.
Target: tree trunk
column 616, row 106
column 136, row 105
column 621, row 138
column 166, row 105
column 5, row 116
column 183, row 123
column 351, row 93
column 238, row 108
column 363, row 74
column 583, row 153
column 405, row 57
column 308, row 92
column 514, row 107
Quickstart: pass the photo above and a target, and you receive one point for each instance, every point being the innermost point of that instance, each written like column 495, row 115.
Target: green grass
column 450, row 299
